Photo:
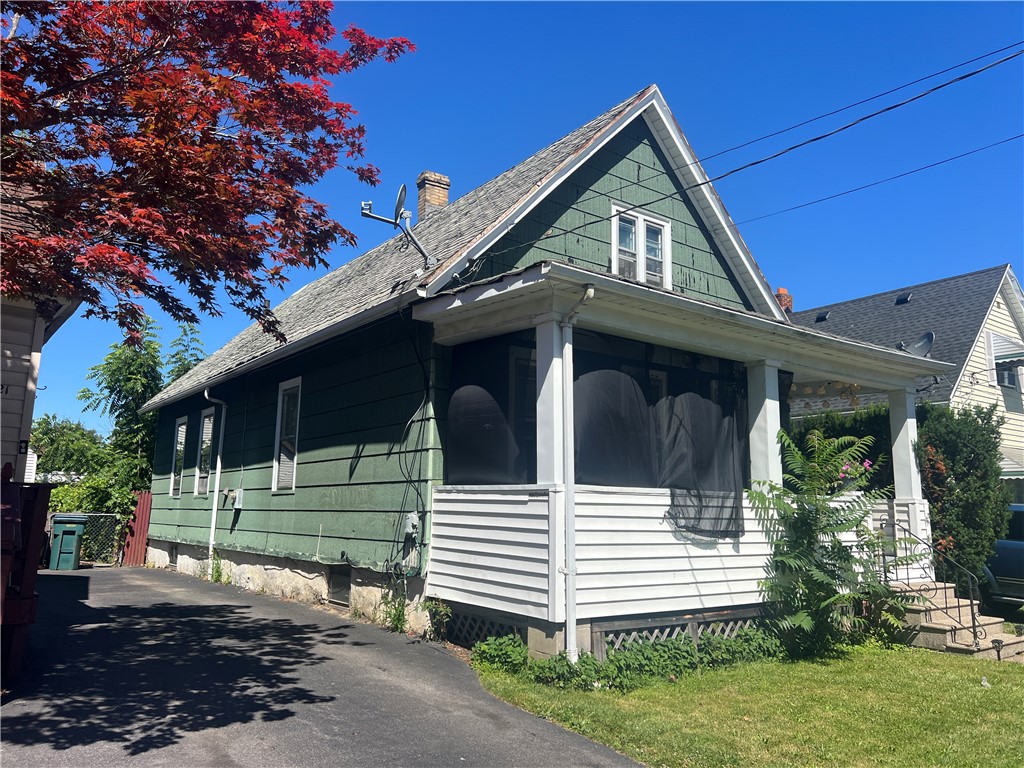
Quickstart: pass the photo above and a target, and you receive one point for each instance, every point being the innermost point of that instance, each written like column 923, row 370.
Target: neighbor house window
column 205, row 456
column 287, row 434
column 1006, row 375
column 178, row 457
column 641, row 247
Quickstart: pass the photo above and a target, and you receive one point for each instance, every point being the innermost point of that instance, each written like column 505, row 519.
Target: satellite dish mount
column 921, row 347
column 400, row 221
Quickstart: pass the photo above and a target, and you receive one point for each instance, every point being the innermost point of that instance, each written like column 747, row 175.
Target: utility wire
column 859, row 103
column 763, row 160
column 882, row 181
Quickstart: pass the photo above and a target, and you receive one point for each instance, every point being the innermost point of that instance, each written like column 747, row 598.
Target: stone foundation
column 292, row 579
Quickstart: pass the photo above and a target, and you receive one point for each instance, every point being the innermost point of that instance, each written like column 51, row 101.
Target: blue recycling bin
column 66, row 542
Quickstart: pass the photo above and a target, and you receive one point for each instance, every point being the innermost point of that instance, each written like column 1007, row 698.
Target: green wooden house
column 547, row 418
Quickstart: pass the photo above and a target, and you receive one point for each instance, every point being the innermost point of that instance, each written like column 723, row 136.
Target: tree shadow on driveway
column 147, row 675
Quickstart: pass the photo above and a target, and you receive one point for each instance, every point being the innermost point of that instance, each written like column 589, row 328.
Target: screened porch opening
column 645, row 416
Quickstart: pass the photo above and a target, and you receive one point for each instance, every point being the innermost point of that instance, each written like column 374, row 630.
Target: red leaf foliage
column 157, row 149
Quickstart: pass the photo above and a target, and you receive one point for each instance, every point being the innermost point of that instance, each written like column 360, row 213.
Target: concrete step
column 942, row 622
column 1012, row 648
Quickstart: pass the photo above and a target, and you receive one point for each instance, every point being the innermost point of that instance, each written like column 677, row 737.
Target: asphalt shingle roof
column 382, row 272
column 954, row 309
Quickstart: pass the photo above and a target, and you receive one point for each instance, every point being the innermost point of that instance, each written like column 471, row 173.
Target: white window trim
column 285, row 385
column 199, row 449
column 642, row 219
column 174, row 456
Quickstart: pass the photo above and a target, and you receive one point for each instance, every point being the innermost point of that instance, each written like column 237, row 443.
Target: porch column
column 906, row 475
column 549, row 402
column 764, row 421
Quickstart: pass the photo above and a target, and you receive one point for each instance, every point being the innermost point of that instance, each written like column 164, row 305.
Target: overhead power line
column 859, row 103
column 763, row 160
column 882, row 181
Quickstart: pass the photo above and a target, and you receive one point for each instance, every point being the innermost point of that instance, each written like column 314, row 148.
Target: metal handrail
column 963, row 579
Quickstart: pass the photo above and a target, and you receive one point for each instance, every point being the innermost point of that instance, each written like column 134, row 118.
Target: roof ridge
column 1000, row 267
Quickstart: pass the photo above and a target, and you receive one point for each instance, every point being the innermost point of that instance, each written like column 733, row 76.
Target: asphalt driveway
column 145, row 667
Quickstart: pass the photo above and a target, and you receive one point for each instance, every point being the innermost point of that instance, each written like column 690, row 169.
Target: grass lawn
column 870, row 708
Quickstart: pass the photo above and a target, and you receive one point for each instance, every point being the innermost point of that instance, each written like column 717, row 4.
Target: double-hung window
column 287, row 443
column 641, row 247
column 204, row 458
column 178, row 457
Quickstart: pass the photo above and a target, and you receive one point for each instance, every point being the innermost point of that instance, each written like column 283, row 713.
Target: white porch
column 559, row 554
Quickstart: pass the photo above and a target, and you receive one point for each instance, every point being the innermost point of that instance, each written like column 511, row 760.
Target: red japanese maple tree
column 158, row 149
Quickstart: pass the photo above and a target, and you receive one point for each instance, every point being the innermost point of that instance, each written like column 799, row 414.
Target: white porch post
column 906, row 475
column 549, row 402
column 765, row 421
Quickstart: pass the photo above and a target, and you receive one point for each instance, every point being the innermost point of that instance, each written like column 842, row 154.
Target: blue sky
column 491, row 83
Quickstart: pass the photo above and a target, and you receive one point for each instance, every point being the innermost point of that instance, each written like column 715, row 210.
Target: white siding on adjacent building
column 977, row 383
column 22, row 341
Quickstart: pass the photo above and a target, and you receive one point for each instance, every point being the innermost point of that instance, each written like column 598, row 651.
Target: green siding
column 365, row 426
column 632, row 170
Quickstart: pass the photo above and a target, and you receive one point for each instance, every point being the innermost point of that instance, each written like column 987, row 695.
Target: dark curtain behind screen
column 651, row 417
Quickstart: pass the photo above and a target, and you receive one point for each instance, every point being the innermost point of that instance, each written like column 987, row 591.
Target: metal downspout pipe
column 569, row 474
column 216, row 483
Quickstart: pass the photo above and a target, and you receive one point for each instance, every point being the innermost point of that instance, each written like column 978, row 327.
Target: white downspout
column 569, row 474
column 216, row 483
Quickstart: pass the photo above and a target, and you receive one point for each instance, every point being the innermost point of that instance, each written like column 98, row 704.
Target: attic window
column 822, row 317
column 641, row 247
column 903, row 298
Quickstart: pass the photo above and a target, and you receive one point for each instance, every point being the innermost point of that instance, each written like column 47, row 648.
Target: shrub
column 507, row 654
column 630, row 667
column 820, row 589
column 440, row 613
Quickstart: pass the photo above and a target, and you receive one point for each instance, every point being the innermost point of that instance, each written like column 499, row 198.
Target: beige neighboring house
column 978, row 324
column 24, row 329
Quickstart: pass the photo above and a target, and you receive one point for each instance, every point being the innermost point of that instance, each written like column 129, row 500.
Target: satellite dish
column 923, row 345
column 400, row 204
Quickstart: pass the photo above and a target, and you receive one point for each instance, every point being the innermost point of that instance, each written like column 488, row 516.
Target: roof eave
column 350, row 323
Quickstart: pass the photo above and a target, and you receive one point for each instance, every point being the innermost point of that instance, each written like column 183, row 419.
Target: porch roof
column 548, row 290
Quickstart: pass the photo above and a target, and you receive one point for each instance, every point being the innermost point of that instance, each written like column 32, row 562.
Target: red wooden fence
column 138, row 532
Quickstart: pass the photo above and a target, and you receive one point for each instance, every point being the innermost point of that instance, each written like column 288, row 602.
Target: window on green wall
column 205, row 456
column 641, row 247
column 178, row 457
column 287, row 441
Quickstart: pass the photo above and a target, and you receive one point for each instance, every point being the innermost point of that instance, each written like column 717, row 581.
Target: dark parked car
column 1005, row 570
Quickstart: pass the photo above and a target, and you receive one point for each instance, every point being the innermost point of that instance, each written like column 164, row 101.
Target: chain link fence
column 100, row 539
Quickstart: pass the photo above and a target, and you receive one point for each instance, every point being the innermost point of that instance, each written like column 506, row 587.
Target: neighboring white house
column 975, row 321
column 24, row 329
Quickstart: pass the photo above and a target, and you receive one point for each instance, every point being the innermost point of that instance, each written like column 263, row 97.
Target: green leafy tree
column 821, row 589
column 959, row 455
column 186, row 352
column 129, row 376
column 65, row 446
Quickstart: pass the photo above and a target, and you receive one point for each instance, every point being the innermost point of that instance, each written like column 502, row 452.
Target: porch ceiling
column 549, row 290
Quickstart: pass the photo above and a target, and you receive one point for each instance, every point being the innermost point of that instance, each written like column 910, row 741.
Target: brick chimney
column 785, row 300
column 432, row 193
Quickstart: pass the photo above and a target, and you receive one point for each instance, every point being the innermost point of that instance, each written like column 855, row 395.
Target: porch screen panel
column 653, row 417
column 492, row 413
